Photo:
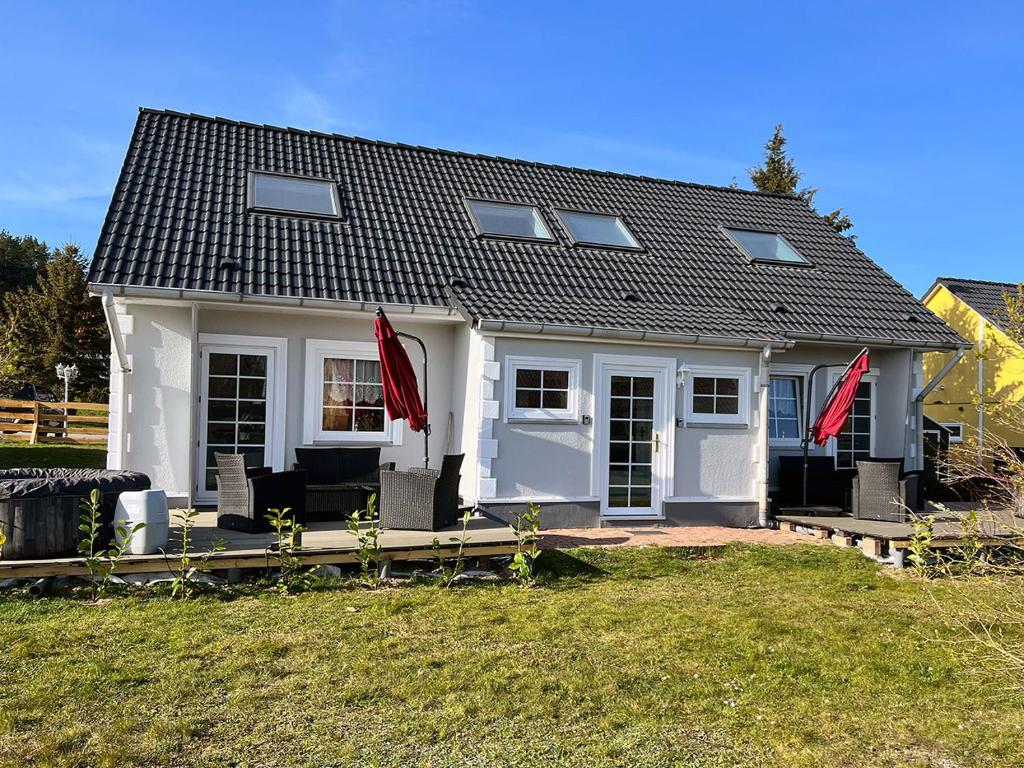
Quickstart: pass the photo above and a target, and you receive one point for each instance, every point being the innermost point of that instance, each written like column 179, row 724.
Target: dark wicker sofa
column 339, row 479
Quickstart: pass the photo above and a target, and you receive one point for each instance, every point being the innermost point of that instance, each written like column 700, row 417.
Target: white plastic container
column 149, row 507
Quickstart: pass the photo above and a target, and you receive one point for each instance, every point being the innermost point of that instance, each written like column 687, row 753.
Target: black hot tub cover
column 25, row 483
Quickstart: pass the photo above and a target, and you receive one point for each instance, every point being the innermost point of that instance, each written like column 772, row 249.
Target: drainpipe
column 123, row 369
column 981, row 389
column 193, row 443
column 919, row 403
column 762, row 437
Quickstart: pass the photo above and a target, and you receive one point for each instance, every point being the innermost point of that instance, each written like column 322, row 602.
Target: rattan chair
column 421, row 499
column 882, row 492
column 245, row 494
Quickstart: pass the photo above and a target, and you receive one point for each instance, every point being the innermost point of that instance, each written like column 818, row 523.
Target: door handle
column 657, row 442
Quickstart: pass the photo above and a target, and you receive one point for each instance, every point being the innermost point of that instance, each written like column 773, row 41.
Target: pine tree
column 57, row 321
column 21, row 260
column 779, row 174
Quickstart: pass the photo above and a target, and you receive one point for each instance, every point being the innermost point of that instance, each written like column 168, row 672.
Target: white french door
column 239, row 409
column 633, row 435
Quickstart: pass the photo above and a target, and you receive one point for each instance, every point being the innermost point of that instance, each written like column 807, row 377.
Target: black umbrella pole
column 426, row 407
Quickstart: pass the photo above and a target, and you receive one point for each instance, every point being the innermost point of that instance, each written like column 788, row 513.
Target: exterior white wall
column 156, row 418
column 505, row 462
column 439, row 339
column 553, row 461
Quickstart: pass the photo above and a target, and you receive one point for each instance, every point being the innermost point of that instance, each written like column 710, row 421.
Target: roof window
column 293, row 194
column 508, row 220
column 597, row 229
column 765, row 246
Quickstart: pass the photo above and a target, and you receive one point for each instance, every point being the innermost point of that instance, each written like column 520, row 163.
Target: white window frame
column 959, row 426
column 740, row 419
column 791, row 371
column 313, row 432
column 870, row 378
column 568, row 415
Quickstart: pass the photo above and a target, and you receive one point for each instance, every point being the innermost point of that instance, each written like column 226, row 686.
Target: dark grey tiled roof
column 178, row 217
column 986, row 298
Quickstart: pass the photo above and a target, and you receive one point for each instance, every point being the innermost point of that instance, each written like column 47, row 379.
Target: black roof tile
column 986, row 298
column 179, row 213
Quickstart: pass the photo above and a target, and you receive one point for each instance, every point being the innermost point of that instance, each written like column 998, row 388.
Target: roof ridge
column 973, row 280
column 460, row 153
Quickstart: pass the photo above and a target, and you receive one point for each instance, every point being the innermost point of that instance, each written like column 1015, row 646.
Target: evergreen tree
column 57, row 321
column 779, row 174
column 21, row 260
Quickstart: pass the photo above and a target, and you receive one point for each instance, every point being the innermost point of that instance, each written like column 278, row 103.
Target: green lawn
column 777, row 656
column 14, row 454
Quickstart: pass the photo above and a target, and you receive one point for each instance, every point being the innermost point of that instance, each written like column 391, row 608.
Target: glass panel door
column 234, row 410
column 632, row 444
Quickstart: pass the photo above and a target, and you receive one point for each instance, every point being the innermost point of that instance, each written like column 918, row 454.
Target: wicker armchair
column 421, row 499
column 244, row 494
column 881, row 491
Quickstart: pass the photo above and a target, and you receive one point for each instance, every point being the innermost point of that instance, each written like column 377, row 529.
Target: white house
column 618, row 348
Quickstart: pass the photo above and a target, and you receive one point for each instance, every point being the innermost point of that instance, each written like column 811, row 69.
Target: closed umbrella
column 401, row 391
column 836, row 410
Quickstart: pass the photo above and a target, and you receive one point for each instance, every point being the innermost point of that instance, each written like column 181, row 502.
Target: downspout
column 193, row 409
column 981, row 389
column 919, row 403
column 762, row 437
column 123, row 369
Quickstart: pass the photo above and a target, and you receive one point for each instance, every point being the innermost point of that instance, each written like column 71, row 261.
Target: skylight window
column 598, row 229
column 508, row 220
column 295, row 194
column 766, row 246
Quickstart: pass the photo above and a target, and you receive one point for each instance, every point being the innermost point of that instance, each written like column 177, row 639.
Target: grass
column 754, row 656
column 17, row 454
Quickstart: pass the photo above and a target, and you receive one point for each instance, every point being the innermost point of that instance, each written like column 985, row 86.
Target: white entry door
column 239, row 409
column 633, row 434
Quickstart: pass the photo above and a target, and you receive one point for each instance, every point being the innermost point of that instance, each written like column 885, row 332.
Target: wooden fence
column 38, row 422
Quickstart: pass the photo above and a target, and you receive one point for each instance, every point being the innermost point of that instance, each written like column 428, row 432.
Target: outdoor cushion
column 327, row 466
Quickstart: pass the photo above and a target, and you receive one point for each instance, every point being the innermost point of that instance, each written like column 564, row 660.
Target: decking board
column 323, row 543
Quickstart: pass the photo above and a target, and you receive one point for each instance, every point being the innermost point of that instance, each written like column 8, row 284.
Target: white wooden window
column 956, row 431
column 857, row 440
column 541, row 389
column 785, row 410
column 718, row 395
column 344, row 395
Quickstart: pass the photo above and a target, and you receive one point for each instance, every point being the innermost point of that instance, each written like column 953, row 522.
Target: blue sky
column 908, row 115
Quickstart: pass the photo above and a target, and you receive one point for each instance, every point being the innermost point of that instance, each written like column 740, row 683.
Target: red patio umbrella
column 401, row 392
column 836, row 410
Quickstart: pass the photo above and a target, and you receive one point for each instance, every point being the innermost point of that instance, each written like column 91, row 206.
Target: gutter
column 222, row 297
column 871, row 341
column 497, row 326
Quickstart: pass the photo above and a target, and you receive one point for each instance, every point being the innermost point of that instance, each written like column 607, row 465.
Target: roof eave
column 626, row 334
column 875, row 341
column 223, row 297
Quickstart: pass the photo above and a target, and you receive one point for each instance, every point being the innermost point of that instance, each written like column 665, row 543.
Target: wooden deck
column 323, row 544
column 877, row 538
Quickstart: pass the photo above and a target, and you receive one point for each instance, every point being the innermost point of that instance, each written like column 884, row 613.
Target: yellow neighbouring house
column 991, row 373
